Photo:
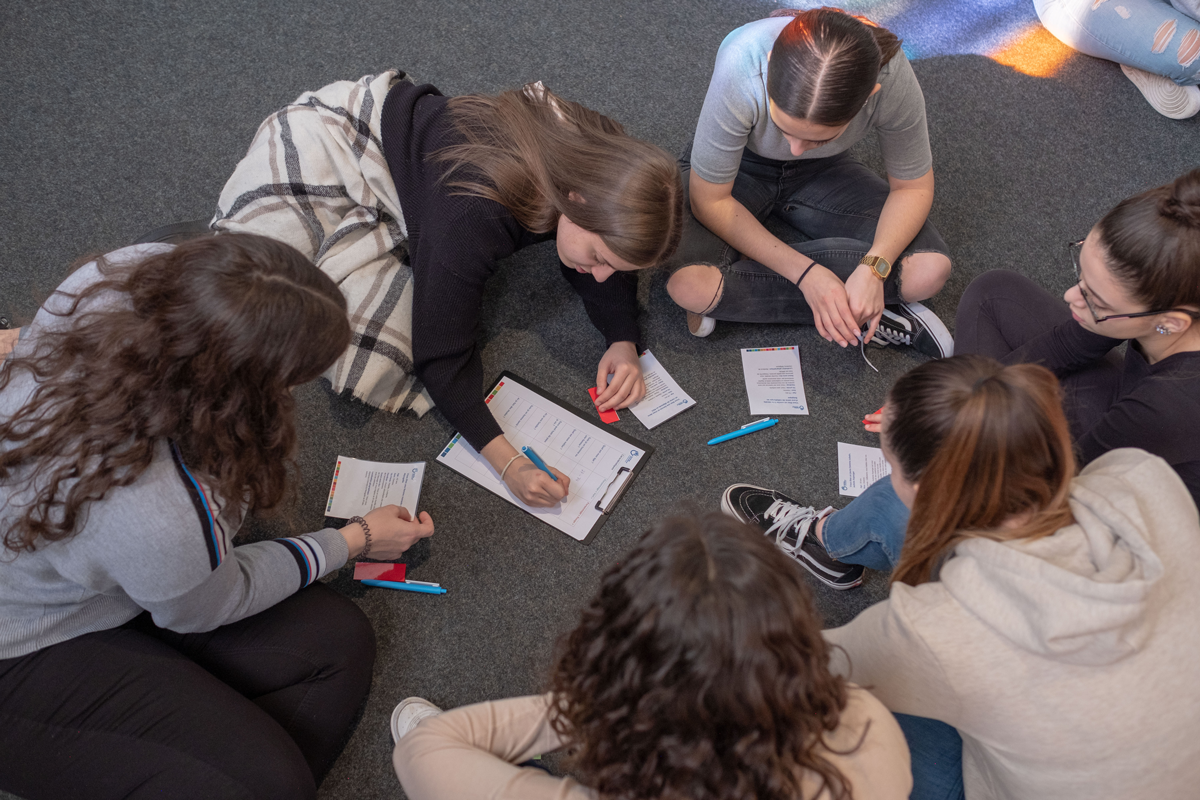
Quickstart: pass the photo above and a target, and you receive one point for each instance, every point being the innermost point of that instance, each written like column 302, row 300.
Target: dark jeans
column 1002, row 311
column 833, row 202
column 256, row 709
column 998, row 315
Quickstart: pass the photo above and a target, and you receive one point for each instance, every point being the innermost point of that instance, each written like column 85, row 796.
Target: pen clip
column 756, row 422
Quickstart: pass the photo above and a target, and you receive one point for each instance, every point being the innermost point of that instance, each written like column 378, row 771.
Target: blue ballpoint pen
column 537, row 461
column 405, row 587
column 749, row 427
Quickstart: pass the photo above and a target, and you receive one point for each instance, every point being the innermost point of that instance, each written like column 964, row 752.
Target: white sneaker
column 1164, row 96
column 408, row 712
column 700, row 325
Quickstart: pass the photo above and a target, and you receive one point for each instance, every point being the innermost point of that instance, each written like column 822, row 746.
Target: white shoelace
column 890, row 336
column 789, row 517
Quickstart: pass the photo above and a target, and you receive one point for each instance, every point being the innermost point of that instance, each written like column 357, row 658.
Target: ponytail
column 987, row 444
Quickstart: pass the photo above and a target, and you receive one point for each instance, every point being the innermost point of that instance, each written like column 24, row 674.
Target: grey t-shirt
column 735, row 114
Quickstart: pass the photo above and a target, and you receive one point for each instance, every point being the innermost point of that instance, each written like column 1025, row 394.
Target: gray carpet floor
column 123, row 116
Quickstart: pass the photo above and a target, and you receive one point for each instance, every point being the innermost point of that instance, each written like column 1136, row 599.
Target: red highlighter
column 609, row 416
column 865, row 422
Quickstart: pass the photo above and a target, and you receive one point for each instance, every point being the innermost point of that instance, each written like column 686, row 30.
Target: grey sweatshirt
column 1068, row 664
column 163, row 544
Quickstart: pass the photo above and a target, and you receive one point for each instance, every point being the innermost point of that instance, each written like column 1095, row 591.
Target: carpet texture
column 122, row 117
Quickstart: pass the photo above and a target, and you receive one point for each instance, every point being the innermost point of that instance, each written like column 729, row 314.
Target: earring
column 1162, row 330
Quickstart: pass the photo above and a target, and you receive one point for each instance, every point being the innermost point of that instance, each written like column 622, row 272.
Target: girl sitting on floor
column 408, row 199
column 1040, row 626
column 143, row 413
column 1138, row 281
column 698, row 671
column 789, row 96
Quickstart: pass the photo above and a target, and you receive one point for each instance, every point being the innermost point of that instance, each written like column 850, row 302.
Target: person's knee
column 991, row 284
column 696, row 288
column 346, row 636
column 924, row 275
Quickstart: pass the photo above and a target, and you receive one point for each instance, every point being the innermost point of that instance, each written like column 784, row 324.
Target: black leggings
column 256, row 709
column 999, row 315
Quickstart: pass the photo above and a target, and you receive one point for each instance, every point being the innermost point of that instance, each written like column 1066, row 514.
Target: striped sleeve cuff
column 316, row 554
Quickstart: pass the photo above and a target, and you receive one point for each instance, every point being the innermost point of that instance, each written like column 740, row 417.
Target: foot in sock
column 793, row 528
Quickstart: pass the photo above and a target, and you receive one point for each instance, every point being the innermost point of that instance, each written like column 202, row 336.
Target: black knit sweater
column 454, row 243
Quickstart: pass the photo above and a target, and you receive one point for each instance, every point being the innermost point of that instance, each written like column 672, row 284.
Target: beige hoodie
column 1071, row 664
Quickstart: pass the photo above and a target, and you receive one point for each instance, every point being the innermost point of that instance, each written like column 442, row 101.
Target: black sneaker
column 788, row 524
column 914, row 325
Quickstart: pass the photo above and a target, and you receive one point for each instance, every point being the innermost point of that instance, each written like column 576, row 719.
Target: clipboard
column 601, row 462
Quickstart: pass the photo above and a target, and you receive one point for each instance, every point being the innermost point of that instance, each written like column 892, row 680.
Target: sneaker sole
column 813, row 569
column 937, row 329
column 398, row 710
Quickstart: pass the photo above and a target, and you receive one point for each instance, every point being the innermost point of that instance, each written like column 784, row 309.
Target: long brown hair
column 825, row 63
column 699, row 671
column 541, row 156
column 1152, row 243
column 198, row 344
column 987, row 444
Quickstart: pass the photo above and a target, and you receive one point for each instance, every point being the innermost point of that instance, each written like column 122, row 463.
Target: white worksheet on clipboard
column 601, row 463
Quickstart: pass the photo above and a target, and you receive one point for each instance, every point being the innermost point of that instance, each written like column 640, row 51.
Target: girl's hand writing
column 533, row 486
column 874, row 422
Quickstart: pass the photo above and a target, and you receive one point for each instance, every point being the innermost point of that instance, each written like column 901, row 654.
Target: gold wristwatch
column 879, row 266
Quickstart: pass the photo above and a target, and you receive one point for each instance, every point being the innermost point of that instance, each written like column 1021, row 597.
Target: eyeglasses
column 1076, row 248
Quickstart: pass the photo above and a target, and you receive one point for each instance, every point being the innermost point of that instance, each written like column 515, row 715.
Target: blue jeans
column 936, row 750
column 870, row 530
column 834, row 203
column 1148, row 34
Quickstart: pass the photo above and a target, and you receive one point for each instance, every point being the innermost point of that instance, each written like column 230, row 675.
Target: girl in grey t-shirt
column 789, row 96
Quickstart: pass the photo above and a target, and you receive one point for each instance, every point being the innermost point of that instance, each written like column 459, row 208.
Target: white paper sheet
column 361, row 486
column 664, row 399
column 859, row 467
column 597, row 462
column 774, row 382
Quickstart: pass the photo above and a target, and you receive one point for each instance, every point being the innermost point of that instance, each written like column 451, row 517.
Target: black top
column 454, row 243
column 1156, row 407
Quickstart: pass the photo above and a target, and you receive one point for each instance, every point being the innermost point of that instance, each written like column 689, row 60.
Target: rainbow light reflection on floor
column 1007, row 31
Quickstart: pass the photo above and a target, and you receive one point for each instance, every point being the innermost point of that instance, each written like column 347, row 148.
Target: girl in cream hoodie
column 1048, row 618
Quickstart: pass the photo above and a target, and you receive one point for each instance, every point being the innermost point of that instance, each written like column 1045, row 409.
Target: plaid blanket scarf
column 315, row 177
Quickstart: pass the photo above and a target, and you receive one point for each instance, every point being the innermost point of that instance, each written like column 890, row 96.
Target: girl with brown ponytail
column 789, row 96
column 1137, row 278
column 1039, row 638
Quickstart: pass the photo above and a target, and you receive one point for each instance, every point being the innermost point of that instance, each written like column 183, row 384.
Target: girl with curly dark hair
column 144, row 412
column 698, row 671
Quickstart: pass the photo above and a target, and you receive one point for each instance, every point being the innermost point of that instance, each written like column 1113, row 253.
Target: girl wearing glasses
column 1138, row 275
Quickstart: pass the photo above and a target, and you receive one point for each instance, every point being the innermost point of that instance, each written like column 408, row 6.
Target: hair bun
column 1182, row 204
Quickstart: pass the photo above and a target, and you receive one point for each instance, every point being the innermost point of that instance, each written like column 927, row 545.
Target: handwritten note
column 859, row 467
column 774, row 382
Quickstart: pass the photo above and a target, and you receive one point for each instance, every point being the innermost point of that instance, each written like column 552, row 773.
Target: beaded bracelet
column 366, row 532
column 509, row 464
